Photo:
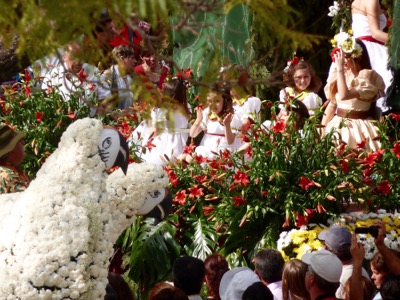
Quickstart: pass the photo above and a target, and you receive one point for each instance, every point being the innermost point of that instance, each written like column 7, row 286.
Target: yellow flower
column 350, row 32
column 387, row 219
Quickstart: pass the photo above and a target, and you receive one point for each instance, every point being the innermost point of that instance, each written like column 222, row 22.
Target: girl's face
column 302, row 79
column 216, row 102
column 377, row 277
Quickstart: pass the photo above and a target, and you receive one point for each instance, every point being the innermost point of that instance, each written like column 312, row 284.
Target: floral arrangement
column 59, row 233
column 341, row 15
column 347, row 43
column 296, row 242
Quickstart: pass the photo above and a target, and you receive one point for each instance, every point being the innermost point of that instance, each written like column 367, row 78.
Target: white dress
column 378, row 54
column 311, row 100
column 214, row 137
column 169, row 143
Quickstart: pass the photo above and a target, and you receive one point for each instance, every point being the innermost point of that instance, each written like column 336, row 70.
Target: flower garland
column 296, row 242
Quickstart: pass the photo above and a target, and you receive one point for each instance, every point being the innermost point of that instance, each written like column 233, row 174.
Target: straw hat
column 8, row 139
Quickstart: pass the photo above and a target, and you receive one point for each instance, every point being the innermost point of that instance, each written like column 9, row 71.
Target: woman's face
column 216, row 102
column 150, row 61
column 302, row 79
column 377, row 277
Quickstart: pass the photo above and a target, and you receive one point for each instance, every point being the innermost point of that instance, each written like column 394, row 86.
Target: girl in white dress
column 219, row 124
column 165, row 138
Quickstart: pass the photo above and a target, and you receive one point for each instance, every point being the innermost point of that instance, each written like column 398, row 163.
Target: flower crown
column 292, row 62
column 347, row 43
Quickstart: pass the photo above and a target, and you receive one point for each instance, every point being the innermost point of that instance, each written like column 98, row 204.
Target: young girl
column 219, row 123
column 171, row 120
column 304, row 87
column 351, row 89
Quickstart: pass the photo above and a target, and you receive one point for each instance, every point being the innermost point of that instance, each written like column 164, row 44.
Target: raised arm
column 373, row 11
column 357, row 252
column 196, row 128
column 389, row 257
column 229, row 135
column 344, row 92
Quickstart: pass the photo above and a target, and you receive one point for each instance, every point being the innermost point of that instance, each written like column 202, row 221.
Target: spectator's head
column 11, row 145
column 367, row 286
column 257, row 291
column 117, row 289
column 124, row 54
column 324, row 271
column 235, row 282
column 216, row 266
column 337, row 240
column 390, row 289
column 165, row 291
column 301, row 113
column 293, row 285
column 104, row 30
column 188, row 274
column 379, row 268
column 72, row 58
column 269, row 265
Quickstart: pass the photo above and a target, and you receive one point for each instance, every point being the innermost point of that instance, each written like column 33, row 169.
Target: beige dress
column 353, row 130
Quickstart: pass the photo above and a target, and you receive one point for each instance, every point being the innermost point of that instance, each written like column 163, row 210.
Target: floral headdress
column 292, row 62
column 347, row 43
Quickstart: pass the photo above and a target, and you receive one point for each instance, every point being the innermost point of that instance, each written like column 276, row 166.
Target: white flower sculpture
column 56, row 237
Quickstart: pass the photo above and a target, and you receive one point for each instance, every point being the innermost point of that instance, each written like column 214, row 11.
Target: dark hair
column 363, row 61
column 227, row 102
column 269, row 265
column 301, row 111
column 117, row 289
column 257, row 291
column 379, row 264
column 293, row 285
column 315, row 82
column 188, row 274
column 176, row 90
column 165, row 291
column 122, row 50
column 216, row 266
column 343, row 253
column 390, row 289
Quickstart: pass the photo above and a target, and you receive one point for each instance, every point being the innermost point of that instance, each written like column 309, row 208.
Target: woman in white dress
column 167, row 136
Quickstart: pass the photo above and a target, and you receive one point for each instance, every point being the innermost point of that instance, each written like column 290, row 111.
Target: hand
column 357, row 250
column 228, row 119
column 380, row 239
column 339, row 60
column 199, row 115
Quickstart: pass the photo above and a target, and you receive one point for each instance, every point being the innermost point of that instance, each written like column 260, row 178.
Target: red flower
column 301, row 220
column 249, row 151
column 189, row 148
column 71, row 115
column 199, row 159
column 239, row 200
column 345, row 166
column 180, row 197
column 241, row 178
column 396, row 117
column 173, row 178
column 396, row 149
column 306, row 183
column 200, row 178
column 207, row 210
column 39, row 116
column 59, row 123
column 195, row 192
column 264, row 193
column 91, row 86
column 384, row 187
column 27, row 90
column 150, row 144
column 268, row 104
column 279, row 126
column 369, row 160
column 28, row 76
column 82, row 76
column 184, row 74
column 361, row 145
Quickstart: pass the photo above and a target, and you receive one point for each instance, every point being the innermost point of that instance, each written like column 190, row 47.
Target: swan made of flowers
column 56, row 237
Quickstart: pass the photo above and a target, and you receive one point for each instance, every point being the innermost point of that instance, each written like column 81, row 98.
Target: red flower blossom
column 82, row 76
column 59, row 123
column 27, row 90
column 200, row 178
column 71, row 115
column 369, row 161
column 245, row 138
column 361, row 145
column 268, row 104
column 306, row 183
column 301, row 220
column 199, row 159
column 189, row 148
column 184, row 74
column 207, row 210
column 180, row 197
column 396, row 149
column 239, row 200
column 264, row 193
column 91, row 86
column 150, row 144
column 241, row 178
column 195, row 192
column 345, row 166
column 396, row 117
column 39, row 116
column 249, row 151
column 28, row 76
column 384, row 187
column 279, row 126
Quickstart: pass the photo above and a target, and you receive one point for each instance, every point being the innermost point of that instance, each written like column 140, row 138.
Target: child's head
column 304, row 77
column 175, row 90
column 220, row 102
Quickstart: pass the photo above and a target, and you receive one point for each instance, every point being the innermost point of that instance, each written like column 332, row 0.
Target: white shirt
column 276, row 290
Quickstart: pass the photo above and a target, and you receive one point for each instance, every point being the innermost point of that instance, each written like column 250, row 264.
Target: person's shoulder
column 139, row 69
